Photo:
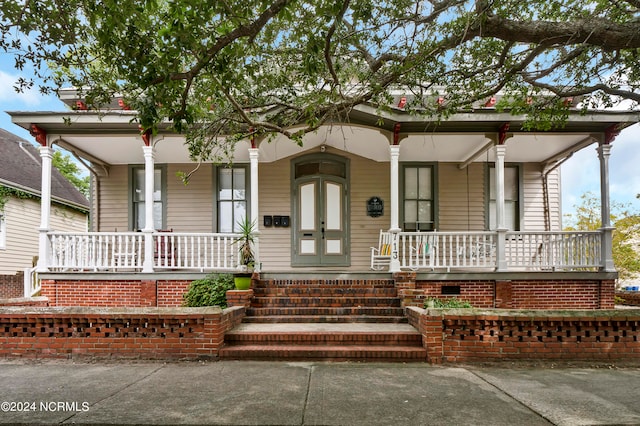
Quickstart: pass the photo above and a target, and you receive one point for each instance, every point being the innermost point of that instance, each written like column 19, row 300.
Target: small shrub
column 452, row 303
column 209, row 291
column 618, row 300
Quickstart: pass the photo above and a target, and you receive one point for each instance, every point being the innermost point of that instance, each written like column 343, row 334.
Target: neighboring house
column 471, row 203
column 20, row 209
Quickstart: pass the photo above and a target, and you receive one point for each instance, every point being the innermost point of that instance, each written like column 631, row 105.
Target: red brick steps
column 331, row 320
column 331, row 342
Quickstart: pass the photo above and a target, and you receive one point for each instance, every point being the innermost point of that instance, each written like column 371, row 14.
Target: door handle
column 322, row 229
column 307, row 235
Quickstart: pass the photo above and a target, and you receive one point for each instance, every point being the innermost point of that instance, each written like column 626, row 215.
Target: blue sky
column 580, row 173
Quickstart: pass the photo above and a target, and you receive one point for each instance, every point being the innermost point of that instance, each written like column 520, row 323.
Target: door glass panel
column 334, row 246
column 307, row 246
column 333, row 208
column 308, row 206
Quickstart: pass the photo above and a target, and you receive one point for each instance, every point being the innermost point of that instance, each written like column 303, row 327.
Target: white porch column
column 149, row 168
column 46, row 154
column 604, row 152
column 253, row 159
column 501, row 151
column 394, row 151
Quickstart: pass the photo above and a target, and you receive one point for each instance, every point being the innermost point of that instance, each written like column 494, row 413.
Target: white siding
column 533, row 199
column 22, row 219
column 114, row 202
column 190, row 207
column 461, row 196
column 274, row 199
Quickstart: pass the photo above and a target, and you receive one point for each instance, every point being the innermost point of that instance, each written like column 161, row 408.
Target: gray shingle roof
column 20, row 165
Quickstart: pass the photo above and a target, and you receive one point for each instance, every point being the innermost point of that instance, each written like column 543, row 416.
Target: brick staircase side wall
column 456, row 336
column 105, row 333
column 12, row 286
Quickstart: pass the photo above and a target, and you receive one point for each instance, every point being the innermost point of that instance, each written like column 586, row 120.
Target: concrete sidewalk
column 298, row 393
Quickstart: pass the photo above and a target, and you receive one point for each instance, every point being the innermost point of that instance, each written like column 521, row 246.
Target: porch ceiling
column 112, row 138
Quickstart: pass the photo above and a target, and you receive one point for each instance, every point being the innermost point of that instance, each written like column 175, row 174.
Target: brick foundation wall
column 494, row 335
column 478, row 293
column 115, row 293
column 141, row 333
column 516, row 294
column 12, row 286
column 170, row 292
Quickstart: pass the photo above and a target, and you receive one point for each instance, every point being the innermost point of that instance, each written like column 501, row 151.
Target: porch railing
column 554, row 250
column 125, row 251
column 478, row 250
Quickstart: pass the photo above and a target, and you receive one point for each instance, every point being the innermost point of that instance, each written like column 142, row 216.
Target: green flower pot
column 242, row 281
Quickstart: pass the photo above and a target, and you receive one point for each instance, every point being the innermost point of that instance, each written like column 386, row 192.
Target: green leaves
column 209, row 291
column 215, row 69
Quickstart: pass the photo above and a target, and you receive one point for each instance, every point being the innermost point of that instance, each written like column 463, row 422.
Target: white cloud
column 581, row 173
column 9, row 95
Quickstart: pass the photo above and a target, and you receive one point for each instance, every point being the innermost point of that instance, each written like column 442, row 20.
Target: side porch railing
column 126, row 251
column 523, row 251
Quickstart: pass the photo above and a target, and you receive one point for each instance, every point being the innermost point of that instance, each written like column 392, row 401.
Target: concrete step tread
column 325, row 319
column 327, row 310
column 325, row 352
column 324, row 327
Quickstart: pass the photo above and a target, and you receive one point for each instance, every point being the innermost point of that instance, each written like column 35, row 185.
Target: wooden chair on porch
column 381, row 255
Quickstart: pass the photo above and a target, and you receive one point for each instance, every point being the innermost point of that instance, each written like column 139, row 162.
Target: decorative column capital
column 604, row 151
column 148, row 151
column 501, row 150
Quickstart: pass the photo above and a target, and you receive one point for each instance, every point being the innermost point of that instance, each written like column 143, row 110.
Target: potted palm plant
column 246, row 255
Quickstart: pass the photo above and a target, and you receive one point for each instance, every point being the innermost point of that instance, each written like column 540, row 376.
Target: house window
column 3, row 232
column 418, row 192
column 138, row 198
column 511, row 197
column 232, row 198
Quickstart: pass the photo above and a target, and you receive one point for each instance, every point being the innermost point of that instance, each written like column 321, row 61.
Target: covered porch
column 370, row 142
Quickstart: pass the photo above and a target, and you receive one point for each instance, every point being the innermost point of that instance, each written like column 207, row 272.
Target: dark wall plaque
column 375, row 207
